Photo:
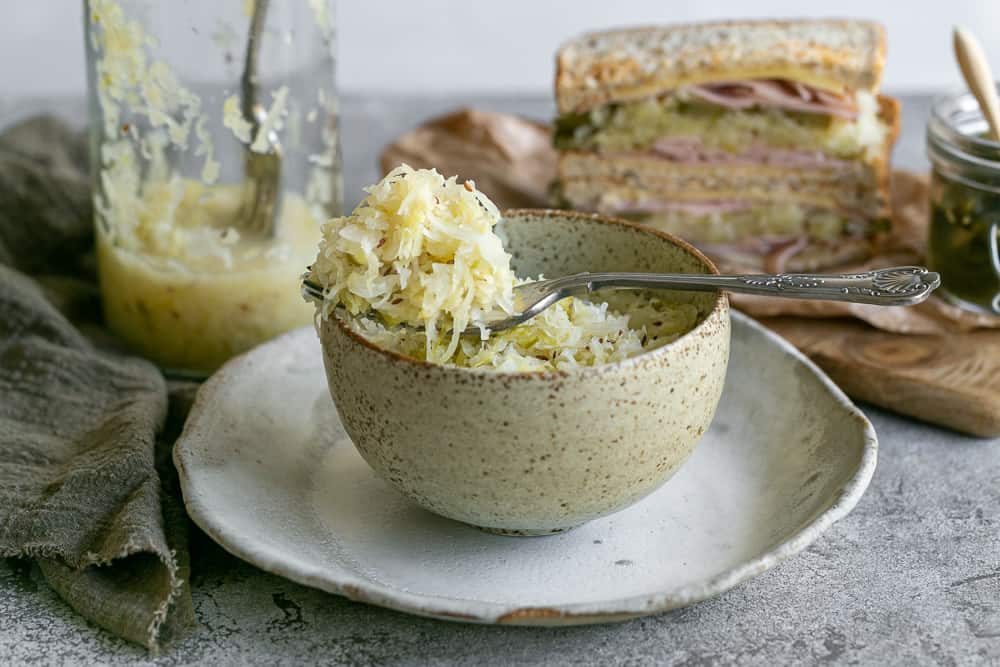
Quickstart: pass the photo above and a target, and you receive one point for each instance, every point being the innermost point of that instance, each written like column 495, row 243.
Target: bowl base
column 525, row 532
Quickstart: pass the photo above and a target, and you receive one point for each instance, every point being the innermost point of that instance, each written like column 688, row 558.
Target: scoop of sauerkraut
column 572, row 333
column 420, row 251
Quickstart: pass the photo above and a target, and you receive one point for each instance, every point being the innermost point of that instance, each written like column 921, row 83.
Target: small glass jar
column 209, row 187
column 964, row 237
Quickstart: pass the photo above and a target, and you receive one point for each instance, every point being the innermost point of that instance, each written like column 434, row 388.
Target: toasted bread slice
column 589, row 180
column 693, row 185
column 627, row 64
column 608, row 184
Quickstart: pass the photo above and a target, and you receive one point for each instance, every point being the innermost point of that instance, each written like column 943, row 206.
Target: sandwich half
column 765, row 143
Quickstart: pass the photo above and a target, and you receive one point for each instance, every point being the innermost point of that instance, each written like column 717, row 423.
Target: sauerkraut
column 755, row 219
column 636, row 125
column 418, row 262
column 182, row 282
column 573, row 332
column 189, row 291
column 420, row 251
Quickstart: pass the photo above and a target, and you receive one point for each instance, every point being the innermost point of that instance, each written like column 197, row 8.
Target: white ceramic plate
column 269, row 473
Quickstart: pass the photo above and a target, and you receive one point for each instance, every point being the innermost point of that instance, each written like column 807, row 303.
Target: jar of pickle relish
column 964, row 238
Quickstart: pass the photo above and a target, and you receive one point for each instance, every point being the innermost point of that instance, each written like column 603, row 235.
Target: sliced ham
column 771, row 254
column 690, row 150
column 778, row 93
column 701, row 207
column 763, row 255
column 799, row 255
column 776, row 260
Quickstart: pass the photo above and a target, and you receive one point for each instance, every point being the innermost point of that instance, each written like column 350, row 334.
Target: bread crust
column 632, row 63
column 889, row 114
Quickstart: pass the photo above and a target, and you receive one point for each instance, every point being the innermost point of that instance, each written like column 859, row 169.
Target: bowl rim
column 719, row 307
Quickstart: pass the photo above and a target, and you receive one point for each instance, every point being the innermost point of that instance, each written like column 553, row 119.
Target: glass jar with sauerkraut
column 964, row 240
column 215, row 161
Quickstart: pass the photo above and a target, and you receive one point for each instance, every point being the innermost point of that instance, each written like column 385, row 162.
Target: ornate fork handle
column 896, row 286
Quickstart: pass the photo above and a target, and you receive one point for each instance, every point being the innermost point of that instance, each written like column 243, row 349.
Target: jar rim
column 954, row 144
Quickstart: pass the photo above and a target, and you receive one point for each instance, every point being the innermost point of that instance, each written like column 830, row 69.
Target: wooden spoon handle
column 976, row 70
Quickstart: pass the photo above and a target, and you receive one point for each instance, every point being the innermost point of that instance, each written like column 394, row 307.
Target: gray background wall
column 445, row 46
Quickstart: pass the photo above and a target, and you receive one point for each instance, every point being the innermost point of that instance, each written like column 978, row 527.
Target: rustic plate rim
column 363, row 590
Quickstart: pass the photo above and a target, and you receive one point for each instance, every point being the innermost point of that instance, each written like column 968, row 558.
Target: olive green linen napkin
column 86, row 483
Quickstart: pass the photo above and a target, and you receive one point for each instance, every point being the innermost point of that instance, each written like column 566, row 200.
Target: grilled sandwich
column 766, row 143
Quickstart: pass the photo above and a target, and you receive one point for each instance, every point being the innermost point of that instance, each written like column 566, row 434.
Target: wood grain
column 951, row 380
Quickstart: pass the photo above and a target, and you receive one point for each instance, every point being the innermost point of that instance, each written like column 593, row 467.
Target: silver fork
column 262, row 170
column 895, row 286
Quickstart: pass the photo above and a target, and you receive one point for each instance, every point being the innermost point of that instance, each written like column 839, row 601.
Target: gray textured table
column 912, row 576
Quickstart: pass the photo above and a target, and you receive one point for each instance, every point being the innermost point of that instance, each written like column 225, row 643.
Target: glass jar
column 209, row 186
column 964, row 234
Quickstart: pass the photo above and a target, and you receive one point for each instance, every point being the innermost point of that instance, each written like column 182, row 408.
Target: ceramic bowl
column 539, row 453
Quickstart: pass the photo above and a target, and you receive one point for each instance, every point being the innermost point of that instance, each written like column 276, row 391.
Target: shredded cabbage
column 572, row 333
column 636, row 125
column 420, row 251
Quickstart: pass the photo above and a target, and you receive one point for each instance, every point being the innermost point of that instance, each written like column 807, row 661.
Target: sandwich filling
column 653, row 160
column 744, row 119
column 772, row 237
column 763, row 141
column 777, row 93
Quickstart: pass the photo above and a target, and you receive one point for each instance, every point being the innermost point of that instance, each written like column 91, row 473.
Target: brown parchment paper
column 511, row 159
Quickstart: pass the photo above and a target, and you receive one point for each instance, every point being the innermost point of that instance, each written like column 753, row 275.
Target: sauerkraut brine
column 183, row 280
column 421, row 251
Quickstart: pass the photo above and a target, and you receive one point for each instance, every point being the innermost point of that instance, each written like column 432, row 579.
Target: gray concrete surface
column 911, row 577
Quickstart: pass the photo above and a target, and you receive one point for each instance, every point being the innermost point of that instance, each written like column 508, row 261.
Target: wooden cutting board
column 951, row 380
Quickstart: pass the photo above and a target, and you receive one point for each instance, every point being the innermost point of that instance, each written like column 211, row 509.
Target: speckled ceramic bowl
column 533, row 453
